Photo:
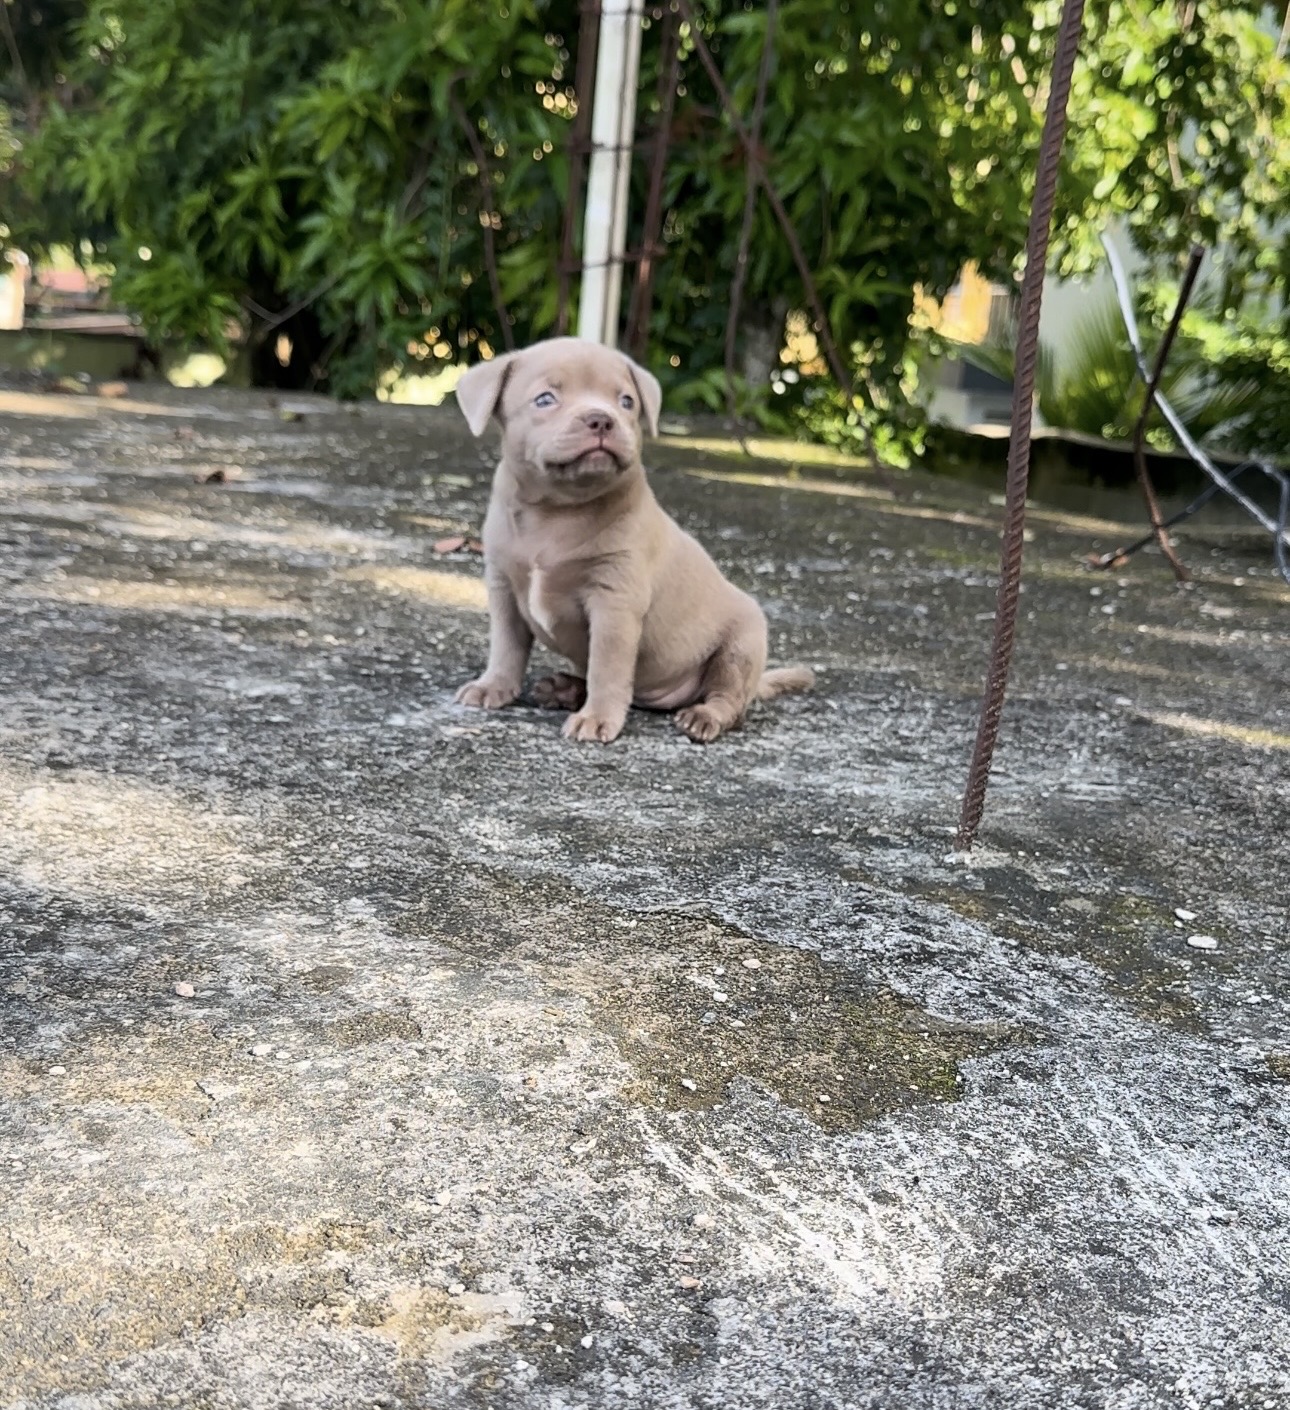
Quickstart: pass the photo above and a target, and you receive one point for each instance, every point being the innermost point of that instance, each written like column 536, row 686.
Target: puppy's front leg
column 509, row 644
column 615, row 635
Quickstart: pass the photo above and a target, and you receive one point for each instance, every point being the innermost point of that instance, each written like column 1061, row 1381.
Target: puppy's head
column 573, row 413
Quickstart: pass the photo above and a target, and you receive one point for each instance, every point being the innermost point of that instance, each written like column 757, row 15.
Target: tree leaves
column 270, row 157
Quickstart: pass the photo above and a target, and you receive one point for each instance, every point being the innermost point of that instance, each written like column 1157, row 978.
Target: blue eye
column 628, row 402
column 544, row 399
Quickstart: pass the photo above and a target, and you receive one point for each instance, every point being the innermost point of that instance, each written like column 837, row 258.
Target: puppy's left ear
column 479, row 391
column 651, row 395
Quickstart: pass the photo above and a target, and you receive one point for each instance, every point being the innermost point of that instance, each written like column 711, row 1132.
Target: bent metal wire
column 1278, row 525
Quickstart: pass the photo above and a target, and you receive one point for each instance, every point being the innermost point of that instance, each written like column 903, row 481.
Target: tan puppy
column 580, row 556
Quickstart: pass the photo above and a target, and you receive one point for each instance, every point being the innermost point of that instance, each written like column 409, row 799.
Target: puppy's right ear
column 479, row 392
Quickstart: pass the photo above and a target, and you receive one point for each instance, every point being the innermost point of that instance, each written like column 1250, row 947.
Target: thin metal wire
column 750, row 205
column 628, row 257
column 1023, row 396
column 1171, row 418
column 1283, row 522
column 1122, row 554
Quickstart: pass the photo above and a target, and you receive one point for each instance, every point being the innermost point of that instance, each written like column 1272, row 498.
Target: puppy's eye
column 627, row 402
column 544, row 399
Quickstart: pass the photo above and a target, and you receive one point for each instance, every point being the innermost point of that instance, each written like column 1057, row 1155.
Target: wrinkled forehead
column 571, row 372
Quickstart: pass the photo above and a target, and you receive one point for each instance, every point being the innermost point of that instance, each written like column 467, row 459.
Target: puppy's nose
column 601, row 422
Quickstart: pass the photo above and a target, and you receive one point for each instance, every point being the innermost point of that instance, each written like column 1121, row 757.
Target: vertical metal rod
column 583, row 84
column 1023, row 397
column 643, row 290
column 1149, row 401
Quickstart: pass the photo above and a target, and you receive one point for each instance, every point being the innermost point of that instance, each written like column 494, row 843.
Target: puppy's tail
column 784, row 680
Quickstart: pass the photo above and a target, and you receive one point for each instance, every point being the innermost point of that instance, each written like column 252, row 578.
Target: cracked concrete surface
column 356, row 1049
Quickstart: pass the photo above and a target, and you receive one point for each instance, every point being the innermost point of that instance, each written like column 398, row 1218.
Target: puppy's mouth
column 595, row 460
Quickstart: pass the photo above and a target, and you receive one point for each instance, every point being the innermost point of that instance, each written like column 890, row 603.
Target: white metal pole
column 613, row 128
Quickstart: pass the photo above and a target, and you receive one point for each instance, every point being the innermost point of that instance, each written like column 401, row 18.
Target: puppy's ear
column 651, row 395
column 479, row 392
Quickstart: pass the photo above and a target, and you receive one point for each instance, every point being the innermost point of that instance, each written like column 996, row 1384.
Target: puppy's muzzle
column 593, row 435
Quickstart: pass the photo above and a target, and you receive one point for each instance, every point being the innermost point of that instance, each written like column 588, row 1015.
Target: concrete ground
column 360, row 1050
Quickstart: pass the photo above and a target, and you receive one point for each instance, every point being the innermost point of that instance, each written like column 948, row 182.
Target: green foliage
column 1246, row 354
column 242, row 162
column 265, row 165
column 313, row 168
column 883, row 136
column 1181, row 129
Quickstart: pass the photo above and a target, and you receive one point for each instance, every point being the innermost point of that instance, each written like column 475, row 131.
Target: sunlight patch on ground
column 793, row 482
column 162, row 597
column 1126, row 666
column 426, row 585
column 199, row 370
column 87, row 835
column 1050, row 518
column 29, row 464
column 185, row 528
column 785, row 452
column 1183, row 636
column 86, row 407
column 1219, row 729
column 1075, row 523
column 883, row 500
column 36, row 404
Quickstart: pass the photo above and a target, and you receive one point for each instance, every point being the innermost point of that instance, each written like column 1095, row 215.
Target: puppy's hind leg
column 730, row 681
column 560, row 691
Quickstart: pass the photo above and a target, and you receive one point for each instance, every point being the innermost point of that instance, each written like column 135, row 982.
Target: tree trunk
column 761, row 337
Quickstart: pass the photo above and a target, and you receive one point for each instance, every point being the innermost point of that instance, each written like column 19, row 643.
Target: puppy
column 579, row 555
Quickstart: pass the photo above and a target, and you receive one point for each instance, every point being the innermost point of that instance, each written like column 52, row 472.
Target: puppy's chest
column 549, row 601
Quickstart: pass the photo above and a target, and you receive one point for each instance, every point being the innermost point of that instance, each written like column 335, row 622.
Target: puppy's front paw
column 597, row 729
column 701, row 722
column 484, row 694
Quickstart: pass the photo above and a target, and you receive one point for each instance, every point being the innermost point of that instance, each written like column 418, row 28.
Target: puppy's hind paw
column 701, row 722
column 484, row 694
column 560, row 692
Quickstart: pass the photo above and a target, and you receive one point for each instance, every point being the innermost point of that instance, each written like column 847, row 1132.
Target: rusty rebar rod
column 1023, row 397
column 643, row 289
column 584, row 83
column 1148, row 405
column 750, row 205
